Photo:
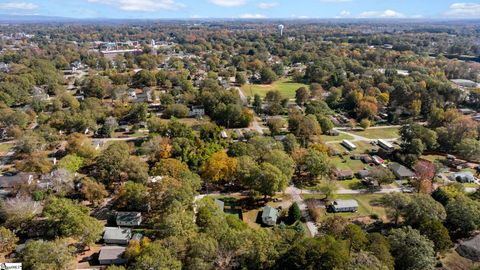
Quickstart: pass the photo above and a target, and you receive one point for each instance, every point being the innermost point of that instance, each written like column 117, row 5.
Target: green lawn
column 362, row 147
column 341, row 137
column 379, row 133
column 5, row 147
column 348, row 163
column 367, row 205
column 285, row 85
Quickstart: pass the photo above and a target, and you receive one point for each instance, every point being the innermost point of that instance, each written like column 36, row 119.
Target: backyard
column 285, row 86
column 368, row 205
column 379, row 133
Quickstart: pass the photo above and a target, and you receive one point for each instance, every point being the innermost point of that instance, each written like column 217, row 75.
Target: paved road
column 256, row 126
column 296, row 197
column 242, row 96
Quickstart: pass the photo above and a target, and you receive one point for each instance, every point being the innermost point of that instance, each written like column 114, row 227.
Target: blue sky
column 244, row 8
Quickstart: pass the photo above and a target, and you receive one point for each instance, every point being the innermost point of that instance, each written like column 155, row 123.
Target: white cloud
column 267, row 5
column 252, row 16
column 228, row 3
column 464, row 10
column 381, row 14
column 18, row 5
column 141, row 5
column 196, row 16
column 343, row 14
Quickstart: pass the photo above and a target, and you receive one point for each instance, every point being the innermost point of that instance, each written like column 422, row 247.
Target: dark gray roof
column 129, row 217
column 400, row 170
column 111, row 253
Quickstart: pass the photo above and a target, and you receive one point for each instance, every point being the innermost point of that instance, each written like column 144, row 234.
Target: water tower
column 280, row 28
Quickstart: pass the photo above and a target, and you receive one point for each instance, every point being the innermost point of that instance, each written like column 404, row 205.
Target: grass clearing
column 285, row 86
column 5, row 147
column 340, row 137
column 367, row 205
column 346, row 163
column 379, row 133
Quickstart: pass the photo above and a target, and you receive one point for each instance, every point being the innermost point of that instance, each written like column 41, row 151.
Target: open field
column 367, row 205
column 285, row 86
column 379, row 133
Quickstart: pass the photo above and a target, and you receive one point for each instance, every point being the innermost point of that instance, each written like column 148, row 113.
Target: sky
column 247, row 9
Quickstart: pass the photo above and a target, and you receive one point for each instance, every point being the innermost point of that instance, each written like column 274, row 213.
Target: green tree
column 282, row 161
column 379, row 246
column 423, row 207
column 269, row 179
column 8, row 240
column 267, row 75
column 132, row 196
column 176, row 110
column 411, row 250
column 71, row 163
column 437, row 233
column 93, row 191
column 294, row 213
column 302, row 95
column 463, row 216
column 355, row 236
column 96, row 86
column 48, row 255
column 469, row 149
column 68, row 219
column 144, row 78
column 396, row 204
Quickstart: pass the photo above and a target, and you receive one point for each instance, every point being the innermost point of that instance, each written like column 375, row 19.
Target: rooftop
column 345, row 203
column 114, row 233
column 111, row 253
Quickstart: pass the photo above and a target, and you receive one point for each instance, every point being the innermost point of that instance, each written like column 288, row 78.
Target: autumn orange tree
column 219, row 168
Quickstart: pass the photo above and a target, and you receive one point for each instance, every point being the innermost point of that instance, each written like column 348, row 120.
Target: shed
column 119, row 236
column 470, row 249
column 400, row 171
column 269, row 215
column 129, row 218
column 344, row 206
column 111, row 255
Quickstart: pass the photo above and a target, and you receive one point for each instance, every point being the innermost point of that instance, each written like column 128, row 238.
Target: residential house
column 344, row 206
column 349, row 145
column 117, row 235
column 197, row 111
column 145, row 96
column 269, row 215
column 462, row 177
column 129, row 219
column 343, row 174
column 401, row 172
column 385, row 145
column 111, row 255
column 378, row 160
column 224, row 134
column 362, row 174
